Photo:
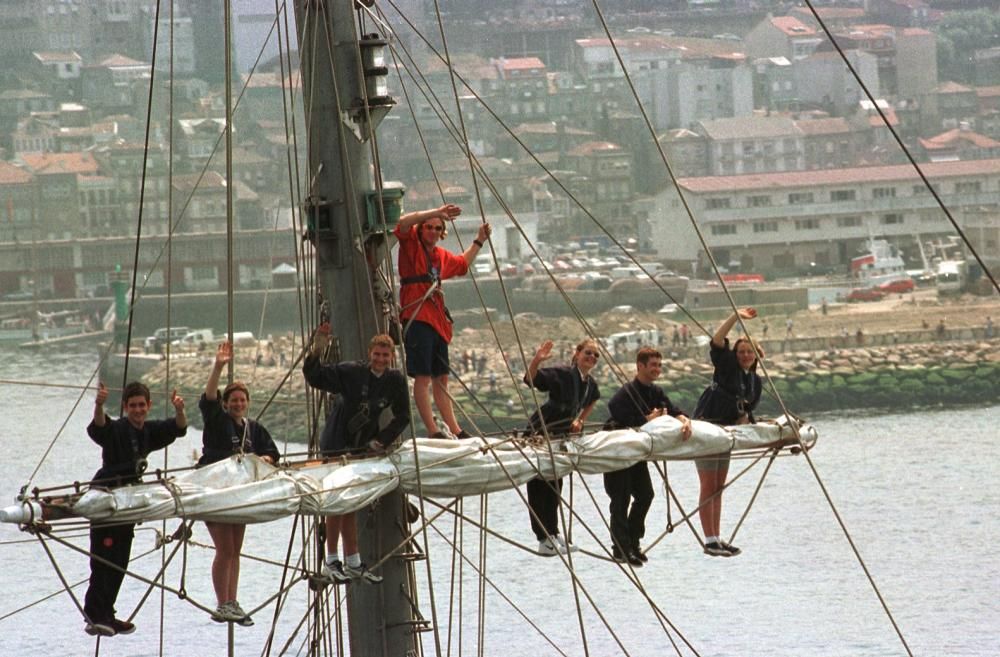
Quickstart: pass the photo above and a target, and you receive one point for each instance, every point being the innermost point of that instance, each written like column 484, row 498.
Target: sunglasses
column 591, row 352
column 434, row 228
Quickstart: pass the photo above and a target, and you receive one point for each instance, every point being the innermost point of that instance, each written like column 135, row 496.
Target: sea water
column 917, row 492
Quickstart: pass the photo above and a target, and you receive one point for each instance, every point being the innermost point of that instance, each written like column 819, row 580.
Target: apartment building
column 779, row 223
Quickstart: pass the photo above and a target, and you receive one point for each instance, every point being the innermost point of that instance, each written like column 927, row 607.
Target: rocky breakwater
column 264, row 368
column 890, row 377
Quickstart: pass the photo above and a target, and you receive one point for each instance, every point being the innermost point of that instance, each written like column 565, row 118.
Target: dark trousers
column 113, row 543
column 631, row 484
column 544, row 502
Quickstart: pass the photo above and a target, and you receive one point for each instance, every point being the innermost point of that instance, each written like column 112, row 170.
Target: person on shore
column 427, row 325
column 364, row 389
column 229, row 431
column 572, row 395
column 730, row 399
column 125, row 444
column 637, row 402
column 988, row 329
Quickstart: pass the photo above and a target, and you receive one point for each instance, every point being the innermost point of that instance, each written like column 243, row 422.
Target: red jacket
column 413, row 262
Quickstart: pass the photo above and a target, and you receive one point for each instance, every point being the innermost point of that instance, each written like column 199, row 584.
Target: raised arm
column 543, row 354
column 485, row 230
column 719, row 339
column 102, row 396
column 179, row 415
column 446, row 212
column 223, row 355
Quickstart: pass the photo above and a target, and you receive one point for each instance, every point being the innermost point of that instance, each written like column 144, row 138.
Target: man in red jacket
column 426, row 321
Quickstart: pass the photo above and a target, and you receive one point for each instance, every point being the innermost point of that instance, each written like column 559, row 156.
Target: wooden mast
column 339, row 175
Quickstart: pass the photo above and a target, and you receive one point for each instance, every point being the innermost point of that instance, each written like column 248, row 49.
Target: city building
column 782, row 36
column 960, row 144
column 784, row 223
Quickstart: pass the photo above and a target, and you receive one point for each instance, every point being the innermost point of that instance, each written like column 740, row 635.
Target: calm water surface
column 918, row 493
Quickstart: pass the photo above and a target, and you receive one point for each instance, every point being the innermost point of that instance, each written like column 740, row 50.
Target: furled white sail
column 248, row 490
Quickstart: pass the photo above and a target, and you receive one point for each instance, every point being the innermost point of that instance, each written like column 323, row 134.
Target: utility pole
column 340, row 107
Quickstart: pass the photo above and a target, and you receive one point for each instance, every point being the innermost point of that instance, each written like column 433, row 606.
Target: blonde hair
column 583, row 344
column 381, row 340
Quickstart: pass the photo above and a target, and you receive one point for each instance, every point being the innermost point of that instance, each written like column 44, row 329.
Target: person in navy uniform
column 636, row 403
column 364, row 389
column 228, row 431
column 730, row 399
column 125, row 444
column 572, row 395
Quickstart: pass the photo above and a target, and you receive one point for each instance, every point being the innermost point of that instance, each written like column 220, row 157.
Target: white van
column 196, row 337
column 162, row 336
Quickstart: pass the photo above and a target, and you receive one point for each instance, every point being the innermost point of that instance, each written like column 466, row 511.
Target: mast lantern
column 376, row 101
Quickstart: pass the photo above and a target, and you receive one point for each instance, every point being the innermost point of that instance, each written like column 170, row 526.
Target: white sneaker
column 244, row 619
column 232, row 613
column 334, row 572
column 565, row 546
column 361, row 572
column 549, row 547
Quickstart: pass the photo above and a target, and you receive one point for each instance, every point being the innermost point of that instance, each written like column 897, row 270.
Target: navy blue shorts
column 426, row 351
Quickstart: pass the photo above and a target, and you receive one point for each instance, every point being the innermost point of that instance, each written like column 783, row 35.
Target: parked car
column 162, row 336
column 865, row 294
column 196, row 337
column 898, row 286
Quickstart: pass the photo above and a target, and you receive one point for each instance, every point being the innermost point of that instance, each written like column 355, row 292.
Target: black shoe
column 122, row 627
column 717, row 550
column 639, row 553
column 103, row 628
column 629, row 557
column 732, row 549
column 463, row 434
column 437, row 434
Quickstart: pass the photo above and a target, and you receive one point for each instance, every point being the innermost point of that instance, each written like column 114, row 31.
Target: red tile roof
column 952, row 88
column 12, row 175
column 853, row 176
column 953, row 138
column 792, row 26
column 53, row 163
column 592, row 147
column 521, row 63
column 830, row 126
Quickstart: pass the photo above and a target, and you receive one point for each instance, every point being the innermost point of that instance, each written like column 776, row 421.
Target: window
column 765, row 226
column 890, row 219
column 784, row 261
column 806, row 224
column 758, row 201
column 842, row 195
column 747, row 148
column 919, row 190
column 716, row 203
column 884, row 192
column 848, row 222
column 800, row 198
column 724, row 229
column 968, row 187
